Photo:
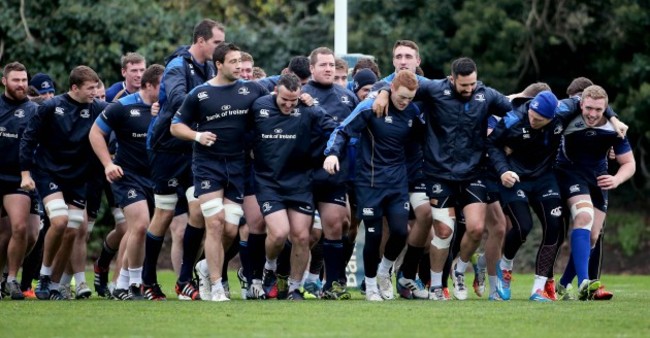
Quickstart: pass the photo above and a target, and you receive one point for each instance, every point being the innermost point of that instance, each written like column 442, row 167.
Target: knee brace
column 75, row 218
column 118, row 215
column 234, row 213
column 165, row 202
column 212, row 207
column 56, row 208
column 417, row 199
column 189, row 194
column 442, row 215
column 575, row 210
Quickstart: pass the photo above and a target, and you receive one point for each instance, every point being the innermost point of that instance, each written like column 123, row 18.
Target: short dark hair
column 152, row 75
column 313, row 57
column 368, row 63
column 289, row 81
column 535, row 88
column 299, row 65
column 81, row 74
column 222, row 50
column 13, row 67
column 578, row 85
column 204, row 29
column 131, row 57
column 463, row 66
column 407, row 43
column 340, row 64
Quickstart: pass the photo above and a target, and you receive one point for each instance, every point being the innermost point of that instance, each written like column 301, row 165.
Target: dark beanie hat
column 544, row 104
column 43, row 83
column 364, row 77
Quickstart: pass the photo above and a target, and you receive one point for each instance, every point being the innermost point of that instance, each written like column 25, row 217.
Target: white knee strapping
column 212, row 207
column 417, row 199
column 442, row 215
column 75, row 218
column 118, row 215
column 234, row 213
column 165, row 202
column 91, row 225
column 56, row 208
column 588, row 210
column 317, row 222
column 189, row 194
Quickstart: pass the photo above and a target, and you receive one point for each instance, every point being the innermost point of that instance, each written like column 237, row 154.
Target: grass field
column 627, row 315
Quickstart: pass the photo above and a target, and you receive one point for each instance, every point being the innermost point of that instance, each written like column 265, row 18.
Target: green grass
column 627, row 315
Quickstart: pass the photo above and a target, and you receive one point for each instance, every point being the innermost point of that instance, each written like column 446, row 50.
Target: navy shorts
column 270, row 202
column 10, row 188
column 214, row 174
column 36, row 207
column 573, row 183
column 544, row 187
column 493, row 194
column 249, row 184
column 417, row 186
column 74, row 191
column 450, row 194
column 132, row 188
column 375, row 203
column 171, row 173
column 328, row 193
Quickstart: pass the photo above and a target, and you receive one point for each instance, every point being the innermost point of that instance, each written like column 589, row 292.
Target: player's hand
column 608, row 182
column 620, row 127
column 331, row 164
column 206, row 138
column 507, row 150
column 380, row 106
column 307, row 99
column 509, row 178
column 27, row 183
column 155, row 109
column 611, row 154
column 113, row 172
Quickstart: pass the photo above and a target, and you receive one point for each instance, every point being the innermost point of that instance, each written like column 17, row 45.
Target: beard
column 18, row 94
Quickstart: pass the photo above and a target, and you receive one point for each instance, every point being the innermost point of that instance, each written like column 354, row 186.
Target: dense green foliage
column 514, row 42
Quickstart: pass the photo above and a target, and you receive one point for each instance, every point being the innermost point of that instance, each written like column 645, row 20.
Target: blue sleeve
column 188, row 111
column 499, row 104
column 352, row 125
column 495, row 146
column 174, row 83
column 33, row 134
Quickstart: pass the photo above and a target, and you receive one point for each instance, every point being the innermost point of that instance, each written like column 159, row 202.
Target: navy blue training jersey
column 222, row 110
column 585, row 149
column 56, row 138
column 381, row 159
column 129, row 118
column 14, row 116
column 282, row 144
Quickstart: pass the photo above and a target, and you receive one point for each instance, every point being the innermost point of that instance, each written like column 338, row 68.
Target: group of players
column 283, row 170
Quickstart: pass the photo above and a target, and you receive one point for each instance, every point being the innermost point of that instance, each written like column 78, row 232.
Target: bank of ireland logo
column 225, row 107
column 277, row 131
